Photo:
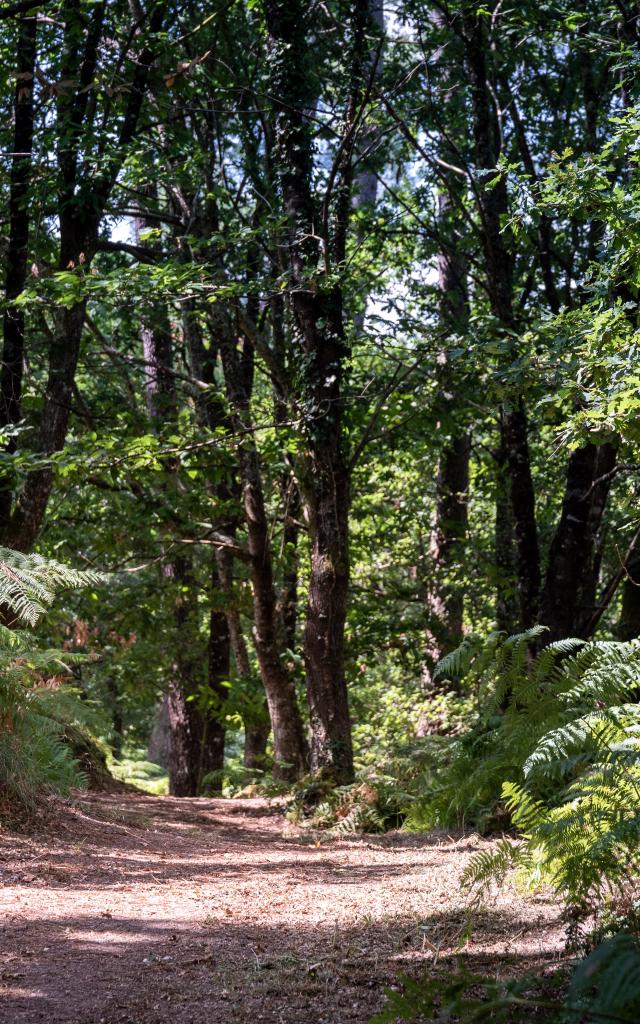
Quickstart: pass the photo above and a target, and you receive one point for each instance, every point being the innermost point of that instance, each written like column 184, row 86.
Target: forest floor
column 132, row 909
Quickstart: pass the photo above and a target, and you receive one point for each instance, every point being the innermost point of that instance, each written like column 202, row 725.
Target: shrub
column 40, row 715
column 568, row 745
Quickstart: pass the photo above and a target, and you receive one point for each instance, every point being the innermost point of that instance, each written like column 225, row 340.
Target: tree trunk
column 213, row 414
column 445, row 596
column 569, row 601
column 289, row 492
column 31, row 505
column 210, row 410
column 189, row 759
column 218, row 666
column 568, row 597
column 82, row 199
column 365, row 189
column 445, row 591
column 327, row 504
column 506, row 595
column 629, row 622
column 117, row 722
column 288, row 736
column 256, row 738
column 288, row 596
column 161, row 401
column 493, row 210
column 320, row 351
column 256, row 721
column 17, row 248
column 197, row 738
column 195, row 695
column 159, row 749
column 522, row 497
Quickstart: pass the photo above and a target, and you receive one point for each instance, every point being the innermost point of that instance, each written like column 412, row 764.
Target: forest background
column 320, row 341
column 319, row 402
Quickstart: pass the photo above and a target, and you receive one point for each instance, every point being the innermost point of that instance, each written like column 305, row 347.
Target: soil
column 131, row 909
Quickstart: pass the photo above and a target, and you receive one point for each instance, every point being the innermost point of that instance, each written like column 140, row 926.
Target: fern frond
column 493, row 866
column 36, row 719
column 456, row 664
column 29, row 583
column 527, row 813
column 361, row 818
column 607, row 983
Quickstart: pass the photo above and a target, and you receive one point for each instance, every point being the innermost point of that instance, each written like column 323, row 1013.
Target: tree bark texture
column 493, row 208
column 506, row 594
column 569, row 594
column 17, row 249
column 197, row 746
column 317, row 309
column 445, row 596
column 288, row 735
column 445, row 591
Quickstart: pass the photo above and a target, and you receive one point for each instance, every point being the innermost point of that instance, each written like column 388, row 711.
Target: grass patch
column 144, row 775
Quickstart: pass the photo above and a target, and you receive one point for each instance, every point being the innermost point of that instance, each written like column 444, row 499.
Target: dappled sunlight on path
column 146, row 910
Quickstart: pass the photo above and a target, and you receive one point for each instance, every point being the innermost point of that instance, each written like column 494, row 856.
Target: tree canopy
column 319, row 336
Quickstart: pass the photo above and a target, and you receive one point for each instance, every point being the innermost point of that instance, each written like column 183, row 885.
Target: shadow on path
column 144, row 910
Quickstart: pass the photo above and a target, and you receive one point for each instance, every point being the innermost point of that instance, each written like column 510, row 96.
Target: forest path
column 133, row 909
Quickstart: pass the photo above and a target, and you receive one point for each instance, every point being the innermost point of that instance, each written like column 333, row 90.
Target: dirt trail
column 150, row 910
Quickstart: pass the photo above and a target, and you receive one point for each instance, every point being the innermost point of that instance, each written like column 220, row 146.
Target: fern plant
column 557, row 752
column 38, row 709
column 604, row 987
column 524, row 697
column 29, row 583
column 371, row 804
column 574, row 797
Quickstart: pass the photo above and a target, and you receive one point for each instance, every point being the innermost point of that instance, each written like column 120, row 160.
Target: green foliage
column 603, row 987
column 40, row 711
column 29, row 583
column 559, row 746
column 136, row 771
column 606, row 985
column 362, row 817
column 463, row 997
column 558, row 752
column 371, row 804
column 533, row 705
column 592, row 346
column 574, row 795
column 35, row 710
column 494, row 865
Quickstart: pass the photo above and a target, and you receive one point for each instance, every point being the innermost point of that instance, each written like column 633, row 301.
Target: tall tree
column 13, row 351
column 288, row 736
column 88, row 166
column 316, row 238
column 493, row 209
column 445, row 596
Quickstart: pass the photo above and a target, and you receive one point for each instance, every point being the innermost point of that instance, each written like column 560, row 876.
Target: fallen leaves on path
column 148, row 910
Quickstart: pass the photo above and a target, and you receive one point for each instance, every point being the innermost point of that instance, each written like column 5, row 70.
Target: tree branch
column 140, row 252
column 16, row 9
column 611, row 587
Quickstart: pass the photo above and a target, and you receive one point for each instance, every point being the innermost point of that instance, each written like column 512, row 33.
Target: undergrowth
column 135, row 770
column 555, row 758
column 604, row 987
column 42, row 716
